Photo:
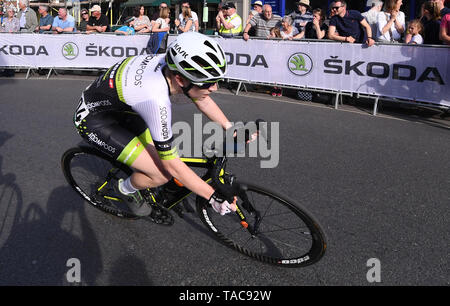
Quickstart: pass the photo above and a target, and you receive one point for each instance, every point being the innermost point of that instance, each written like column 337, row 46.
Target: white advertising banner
column 400, row 71
column 71, row 50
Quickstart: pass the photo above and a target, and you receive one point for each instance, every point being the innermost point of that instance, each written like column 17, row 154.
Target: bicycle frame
column 183, row 192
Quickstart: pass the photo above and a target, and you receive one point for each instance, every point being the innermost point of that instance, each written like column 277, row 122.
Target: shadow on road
column 40, row 243
column 129, row 270
column 35, row 244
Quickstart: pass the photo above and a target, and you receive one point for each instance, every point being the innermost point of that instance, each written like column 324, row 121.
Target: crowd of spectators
column 384, row 21
column 94, row 21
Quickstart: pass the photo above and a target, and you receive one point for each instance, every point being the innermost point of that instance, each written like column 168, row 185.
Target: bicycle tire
column 67, row 163
column 227, row 228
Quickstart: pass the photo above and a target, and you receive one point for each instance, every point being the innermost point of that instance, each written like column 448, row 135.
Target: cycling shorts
column 116, row 130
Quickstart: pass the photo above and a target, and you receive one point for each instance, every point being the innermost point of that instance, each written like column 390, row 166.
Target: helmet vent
column 207, row 43
column 191, row 70
column 200, row 61
column 169, row 59
column 214, row 58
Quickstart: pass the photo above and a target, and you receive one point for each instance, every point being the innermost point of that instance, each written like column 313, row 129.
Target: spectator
column 63, row 22
column 230, row 22
column 431, row 23
column 302, row 15
column 194, row 17
column 142, row 23
column 444, row 33
column 331, row 12
column 162, row 23
column 187, row 22
column 257, row 9
column 441, row 6
column 27, row 17
column 372, row 14
column 288, row 31
column 155, row 15
column 317, row 29
column 46, row 20
column 223, row 12
column 415, row 30
column 348, row 23
column 84, row 20
column 98, row 23
column 391, row 22
column 127, row 29
column 263, row 22
column 275, row 33
column 10, row 23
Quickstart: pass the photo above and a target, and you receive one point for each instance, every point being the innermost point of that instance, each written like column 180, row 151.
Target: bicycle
column 266, row 226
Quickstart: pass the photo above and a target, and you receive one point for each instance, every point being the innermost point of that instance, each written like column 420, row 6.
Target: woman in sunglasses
column 126, row 113
column 84, row 20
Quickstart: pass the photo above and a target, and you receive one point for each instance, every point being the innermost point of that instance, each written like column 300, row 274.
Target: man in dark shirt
column 98, row 23
column 349, row 24
column 46, row 20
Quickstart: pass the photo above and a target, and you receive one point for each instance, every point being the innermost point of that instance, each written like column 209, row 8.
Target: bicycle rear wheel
column 268, row 227
column 94, row 177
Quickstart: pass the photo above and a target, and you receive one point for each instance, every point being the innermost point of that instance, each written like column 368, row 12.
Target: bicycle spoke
column 284, row 233
column 286, row 229
column 95, row 176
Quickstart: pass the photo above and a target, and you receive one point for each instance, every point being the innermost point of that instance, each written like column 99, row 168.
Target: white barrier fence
column 399, row 71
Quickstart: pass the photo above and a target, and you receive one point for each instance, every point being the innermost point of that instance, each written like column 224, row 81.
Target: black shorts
column 111, row 126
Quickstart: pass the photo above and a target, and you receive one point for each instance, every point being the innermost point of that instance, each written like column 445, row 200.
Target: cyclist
column 126, row 114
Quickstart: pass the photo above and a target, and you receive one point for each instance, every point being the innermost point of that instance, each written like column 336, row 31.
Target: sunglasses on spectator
column 336, row 7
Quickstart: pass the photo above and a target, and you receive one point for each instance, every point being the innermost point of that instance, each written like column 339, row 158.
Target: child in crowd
column 415, row 29
column 128, row 28
column 275, row 32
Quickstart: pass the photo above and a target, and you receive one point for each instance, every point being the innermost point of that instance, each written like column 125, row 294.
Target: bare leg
column 149, row 170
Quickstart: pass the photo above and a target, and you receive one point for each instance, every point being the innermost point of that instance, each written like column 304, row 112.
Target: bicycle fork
column 253, row 229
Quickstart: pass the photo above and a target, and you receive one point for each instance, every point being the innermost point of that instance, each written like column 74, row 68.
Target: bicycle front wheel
column 94, row 177
column 267, row 227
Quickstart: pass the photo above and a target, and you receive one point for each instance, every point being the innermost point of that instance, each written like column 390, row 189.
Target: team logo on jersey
column 70, row 50
column 300, row 64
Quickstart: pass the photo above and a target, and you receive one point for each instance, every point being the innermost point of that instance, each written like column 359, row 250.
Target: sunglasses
column 336, row 7
column 205, row 85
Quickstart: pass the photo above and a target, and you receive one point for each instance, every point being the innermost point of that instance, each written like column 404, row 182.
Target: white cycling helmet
column 197, row 57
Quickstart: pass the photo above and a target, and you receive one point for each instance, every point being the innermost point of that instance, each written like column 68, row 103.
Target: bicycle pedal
column 161, row 216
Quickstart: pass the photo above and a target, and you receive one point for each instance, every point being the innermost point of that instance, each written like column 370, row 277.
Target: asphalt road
column 378, row 185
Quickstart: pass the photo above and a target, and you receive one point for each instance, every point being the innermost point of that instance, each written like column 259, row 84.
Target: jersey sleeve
column 158, row 117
